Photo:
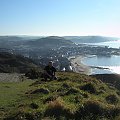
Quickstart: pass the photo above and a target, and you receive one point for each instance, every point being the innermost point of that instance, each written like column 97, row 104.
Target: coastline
column 78, row 66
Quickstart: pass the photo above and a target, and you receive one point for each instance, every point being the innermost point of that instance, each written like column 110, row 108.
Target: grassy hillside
column 111, row 79
column 71, row 96
column 15, row 63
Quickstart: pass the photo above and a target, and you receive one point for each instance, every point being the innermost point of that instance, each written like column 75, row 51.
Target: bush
column 34, row 106
column 72, row 91
column 25, row 116
column 91, row 109
column 41, row 90
column 33, row 74
column 111, row 112
column 57, row 109
column 112, row 99
column 89, row 87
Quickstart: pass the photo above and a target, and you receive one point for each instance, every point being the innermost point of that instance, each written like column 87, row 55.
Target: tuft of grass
column 57, row 109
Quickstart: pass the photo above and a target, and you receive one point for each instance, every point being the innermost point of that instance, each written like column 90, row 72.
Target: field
column 71, row 96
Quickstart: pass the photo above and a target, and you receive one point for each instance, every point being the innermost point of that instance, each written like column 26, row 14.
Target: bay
column 110, row 44
column 103, row 64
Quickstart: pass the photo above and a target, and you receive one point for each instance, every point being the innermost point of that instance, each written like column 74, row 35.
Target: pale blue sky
column 60, row 17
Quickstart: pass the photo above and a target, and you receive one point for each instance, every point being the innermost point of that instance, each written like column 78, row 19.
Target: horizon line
column 57, row 35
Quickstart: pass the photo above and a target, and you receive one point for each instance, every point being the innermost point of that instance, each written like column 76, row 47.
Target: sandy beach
column 78, row 66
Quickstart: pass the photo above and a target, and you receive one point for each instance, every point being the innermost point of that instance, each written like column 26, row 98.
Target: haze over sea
column 111, row 62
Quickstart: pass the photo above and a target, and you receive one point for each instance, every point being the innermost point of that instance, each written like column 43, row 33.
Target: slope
column 71, row 96
column 15, row 63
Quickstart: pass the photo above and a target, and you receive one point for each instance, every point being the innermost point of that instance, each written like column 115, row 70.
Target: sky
column 60, row 17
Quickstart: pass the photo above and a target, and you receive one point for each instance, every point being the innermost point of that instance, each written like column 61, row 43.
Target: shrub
column 91, row 109
column 41, row 90
column 65, row 85
column 49, row 99
column 89, row 87
column 33, row 74
column 34, row 106
column 112, row 99
column 112, row 111
column 25, row 116
column 57, row 109
column 72, row 91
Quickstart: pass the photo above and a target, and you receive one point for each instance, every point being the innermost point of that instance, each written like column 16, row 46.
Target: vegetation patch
column 33, row 73
column 112, row 99
column 57, row 109
column 49, row 99
column 90, row 109
column 65, row 85
column 41, row 90
column 34, row 106
column 89, row 87
column 72, row 91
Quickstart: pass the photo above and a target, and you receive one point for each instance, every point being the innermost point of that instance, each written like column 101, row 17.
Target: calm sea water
column 111, row 44
column 111, row 63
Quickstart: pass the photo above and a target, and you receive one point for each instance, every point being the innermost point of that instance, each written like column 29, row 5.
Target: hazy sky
column 60, row 17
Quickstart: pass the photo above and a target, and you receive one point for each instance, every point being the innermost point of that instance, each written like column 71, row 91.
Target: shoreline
column 78, row 66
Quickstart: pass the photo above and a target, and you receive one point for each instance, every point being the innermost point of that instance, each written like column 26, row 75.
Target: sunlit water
column 111, row 44
column 110, row 64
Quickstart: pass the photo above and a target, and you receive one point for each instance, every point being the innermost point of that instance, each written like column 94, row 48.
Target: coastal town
column 61, row 54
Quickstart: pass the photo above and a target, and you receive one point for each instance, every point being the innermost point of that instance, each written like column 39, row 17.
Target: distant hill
column 15, row 63
column 44, row 42
column 90, row 39
column 49, row 42
column 11, row 41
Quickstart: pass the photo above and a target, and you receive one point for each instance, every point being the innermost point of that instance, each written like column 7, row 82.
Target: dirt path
column 10, row 77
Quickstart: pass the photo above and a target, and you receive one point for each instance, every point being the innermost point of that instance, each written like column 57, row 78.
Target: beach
column 78, row 66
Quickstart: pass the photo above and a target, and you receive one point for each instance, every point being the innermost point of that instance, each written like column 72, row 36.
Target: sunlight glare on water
column 115, row 69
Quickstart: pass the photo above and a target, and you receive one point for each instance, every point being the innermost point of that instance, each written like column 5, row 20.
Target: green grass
column 65, row 95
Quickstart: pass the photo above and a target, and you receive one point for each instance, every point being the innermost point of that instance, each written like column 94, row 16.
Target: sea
column 104, row 64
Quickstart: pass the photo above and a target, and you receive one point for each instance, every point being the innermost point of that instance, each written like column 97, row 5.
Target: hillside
column 112, row 79
column 71, row 96
column 90, row 39
column 15, row 63
column 50, row 42
column 33, row 42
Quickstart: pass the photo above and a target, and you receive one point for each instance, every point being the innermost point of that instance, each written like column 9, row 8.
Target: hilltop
column 50, row 41
column 71, row 96
column 44, row 42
